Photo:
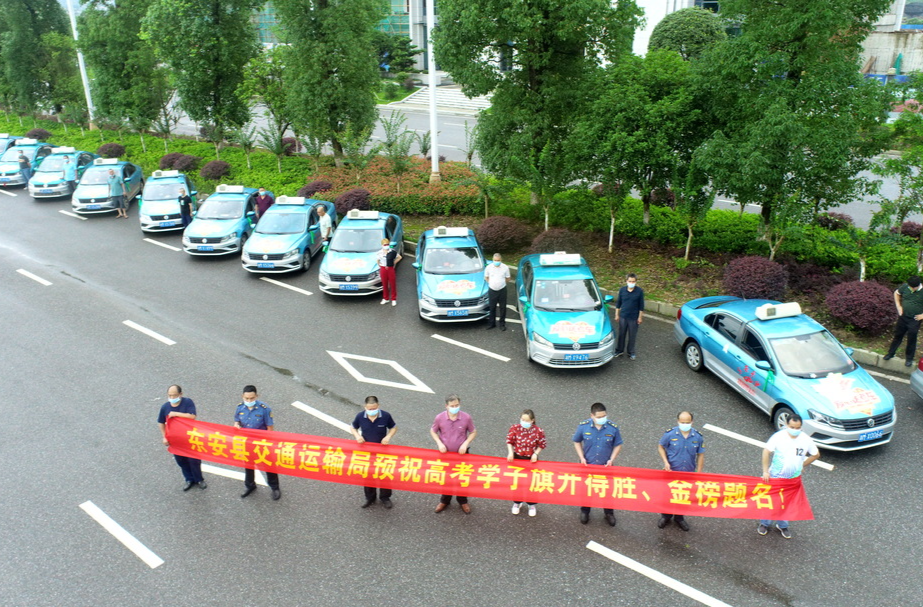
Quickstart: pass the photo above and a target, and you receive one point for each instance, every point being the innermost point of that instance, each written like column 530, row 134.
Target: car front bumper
column 568, row 359
column 271, row 266
column 173, row 224
column 219, row 248
column 835, row 439
column 103, row 205
column 50, row 191
column 436, row 313
column 353, row 288
column 15, row 179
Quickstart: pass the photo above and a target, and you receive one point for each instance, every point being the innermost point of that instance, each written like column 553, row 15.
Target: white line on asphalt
column 148, row 332
column 283, row 285
column 518, row 322
column 8, row 193
column 321, row 416
column 668, row 320
column 415, row 384
column 128, row 540
column 445, row 145
column 454, row 124
column 234, row 474
column 886, row 376
column 756, row 443
column 160, row 244
column 470, row 347
column 69, row 214
column 37, row 279
column 513, row 308
column 621, row 559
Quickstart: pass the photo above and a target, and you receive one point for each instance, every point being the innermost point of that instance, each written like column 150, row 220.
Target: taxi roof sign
column 357, row 214
column 27, row 142
column 159, row 174
column 296, row 200
column 782, row 310
column 106, row 161
column 560, row 258
column 4, row 135
column 65, row 150
column 443, row 231
column 230, row 189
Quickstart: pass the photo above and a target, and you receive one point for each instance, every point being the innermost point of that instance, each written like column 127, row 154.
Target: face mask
column 525, row 425
column 173, row 401
column 600, row 421
column 497, row 263
column 454, row 410
column 793, row 432
column 250, row 405
column 685, row 427
column 371, row 412
column 262, row 193
column 631, row 285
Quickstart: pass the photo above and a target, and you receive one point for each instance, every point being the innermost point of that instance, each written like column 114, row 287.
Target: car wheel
column 693, row 355
column 243, row 241
column 306, row 259
column 781, row 416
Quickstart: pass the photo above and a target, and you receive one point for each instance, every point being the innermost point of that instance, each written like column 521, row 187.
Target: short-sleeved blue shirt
column 257, row 418
column 116, row 187
column 185, row 405
column 70, row 171
column 682, row 451
column 598, row 442
column 371, row 431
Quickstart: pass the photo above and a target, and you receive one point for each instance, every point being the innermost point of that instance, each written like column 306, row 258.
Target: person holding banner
column 786, row 454
column 254, row 414
column 525, row 440
column 178, row 405
column 374, row 426
column 682, row 449
column 453, row 430
column 597, row 442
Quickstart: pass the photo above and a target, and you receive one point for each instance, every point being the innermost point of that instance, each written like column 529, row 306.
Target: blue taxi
column 350, row 266
column 48, row 179
column 92, row 193
column 7, row 141
column 785, row 362
column 34, row 150
column 450, row 276
column 565, row 319
column 287, row 236
column 223, row 223
column 158, row 209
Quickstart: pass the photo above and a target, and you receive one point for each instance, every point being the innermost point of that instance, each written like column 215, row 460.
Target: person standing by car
column 453, row 430
column 185, row 206
column 253, row 413
column 263, row 202
column 525, row 440
column 908, row 299
column 25, row 168
column 496, row 274
column 374, row 425
column 786, row 454
column 682, row 449
column 117, row 193
column 387, row 259
column 178, row 405
column 597, row 442
column 70, row 173
column 325, row 225
column 629, row 313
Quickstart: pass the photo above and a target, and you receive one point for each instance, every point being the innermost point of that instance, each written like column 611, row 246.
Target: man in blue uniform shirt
column 254, row 414
column 597, row 442
column 374, row 425
column 178, row 405
column 70, row 173
column 682, row 449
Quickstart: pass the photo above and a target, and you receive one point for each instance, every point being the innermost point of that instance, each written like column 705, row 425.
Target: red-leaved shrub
column 111, row 150
column 319, row 185
column 290, row 145
column 40, row 134
column 755, row 278
column 186, row 163
column 557, row 239
column 867, row 306
column 502, row 234
column 809, row 278
column 834, row 221
column 167, row 160
column 215, row 170
column 911, row 229
column 357, row 198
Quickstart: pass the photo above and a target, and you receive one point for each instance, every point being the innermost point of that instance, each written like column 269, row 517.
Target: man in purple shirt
column 453, row 430
column 263, row 201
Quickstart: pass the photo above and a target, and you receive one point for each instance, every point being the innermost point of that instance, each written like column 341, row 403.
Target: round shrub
column 809, row 278
column 186, row 163
column 111, row 150
column 610, row 190
column 441, row 158
column 911, row 229
column 40, row 134
column 502, row 234
column 868, row 306
column 319, row 185
column 557, row 239
column 167, row 160
column 663, row 197
column 755, row 278
column 834, row 221
column 357, row 198
column 215, row 170
column 290, row 145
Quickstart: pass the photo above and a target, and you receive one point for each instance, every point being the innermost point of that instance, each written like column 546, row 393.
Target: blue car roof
column 581, row 271
column 776, row 327
column 451, row 242
column 365, row 224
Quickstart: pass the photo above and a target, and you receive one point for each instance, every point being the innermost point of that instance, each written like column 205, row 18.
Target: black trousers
column 272, row 479
column 496, row 299
column 383, row 494
column 675, row 517
column 528, row 457
column 906, row 325
column 627, row 327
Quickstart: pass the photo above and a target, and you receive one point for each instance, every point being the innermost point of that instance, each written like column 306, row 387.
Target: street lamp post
column 83, row 68
column 431, row 67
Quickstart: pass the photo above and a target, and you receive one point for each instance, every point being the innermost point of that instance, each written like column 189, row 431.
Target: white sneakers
column 384, row 301
column 532, row 511
column 517, row 506
column 393, row 302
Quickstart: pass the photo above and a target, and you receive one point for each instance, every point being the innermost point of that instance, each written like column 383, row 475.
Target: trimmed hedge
column 867, row 306
column 499, row 234
column 40, row 134
column 557, row 239
column 111, row 150
column 215, row 170
column 755, row 278
column 357, row 198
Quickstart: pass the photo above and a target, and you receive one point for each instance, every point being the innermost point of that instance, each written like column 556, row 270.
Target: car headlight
column 324, row 275
column 541, row 340
column 430, row 300
column 373, row 275
column 483, row 300
column 608, row 339
column 186, row 240
column 229, row 237
column 825, row 419
column 293, row 253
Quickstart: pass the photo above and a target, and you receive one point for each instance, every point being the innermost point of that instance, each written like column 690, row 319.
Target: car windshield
column 453, row 261
column 811, row 355
column 355, row 241
column 95, row 176
column 51, row 164
column 12, row 155
column 577, row 295
column 218, row 208
column 282, row 223
column 162, row 191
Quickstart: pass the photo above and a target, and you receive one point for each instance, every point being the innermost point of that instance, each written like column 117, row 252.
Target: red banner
column 428, row 471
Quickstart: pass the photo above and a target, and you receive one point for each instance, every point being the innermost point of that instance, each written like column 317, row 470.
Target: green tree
column 395, row 51
column 206, row 44
column 60, row 72
column 863, row 242
column 355, row 143
column 396, row 145
column 688, row 31
column 694, row 197
column 246, row 138
column 264, row 85
column 271, row 139
column 331, row 83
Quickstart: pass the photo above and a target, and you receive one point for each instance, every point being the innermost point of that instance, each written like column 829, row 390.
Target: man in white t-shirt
column 324, row 223
column 787, row 453
column 496, row 274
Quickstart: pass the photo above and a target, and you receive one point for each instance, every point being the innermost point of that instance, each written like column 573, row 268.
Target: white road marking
column 148, row 332
column 886, row 376
column 518, row 322
column 322, row 416
column 69, row 214
column 285, row 286
column 756, row 443
column 445, row 145
column 128, row 540
column 513, row 308
column 160, row 244
column 454, row 124
column 621, row 559
column 8, row 193
column 668, row 320
column 415, row 384
column 234, row 474
column 470, row 347
column 37, row 279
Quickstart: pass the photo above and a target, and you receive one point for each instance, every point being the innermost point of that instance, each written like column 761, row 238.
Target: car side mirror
column 416, row 264
column 849, row 351
column 194, row 193
column 763, row 365
column 608, row 299
column 524, row 299
column 251, row 214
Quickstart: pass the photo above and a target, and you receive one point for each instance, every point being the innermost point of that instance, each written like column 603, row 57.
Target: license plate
column 4, row 178
column 45, row 191
column 458, row 313
column 167, row 224
column 576, row 357
column 266, row 264
column 203, row 247
column 93, row 207
column 349, row 287
column 867, row 436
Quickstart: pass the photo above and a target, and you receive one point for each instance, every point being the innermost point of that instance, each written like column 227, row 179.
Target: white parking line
column 513, row 308
column 756, row 443
column 8, row 193
column 886, row 376
column 128, row 540
column 454, row 124
column 289, row 287
column 234, row 474
column 37, row 279
column 148, row 332
column 69, row 214
column 470, row 347
column 322, row 416
column 621, row 559
column 160, row 244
